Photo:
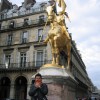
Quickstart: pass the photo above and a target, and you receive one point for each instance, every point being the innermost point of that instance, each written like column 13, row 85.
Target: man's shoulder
column 44, row 84
column 32, row 85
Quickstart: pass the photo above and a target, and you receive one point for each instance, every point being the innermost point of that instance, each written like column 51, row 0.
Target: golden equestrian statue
column 58, row 36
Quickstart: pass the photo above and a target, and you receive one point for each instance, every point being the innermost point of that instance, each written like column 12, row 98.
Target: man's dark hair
column 38, row 75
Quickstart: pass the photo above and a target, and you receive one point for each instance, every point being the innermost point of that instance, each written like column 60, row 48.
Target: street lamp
column 6, row 63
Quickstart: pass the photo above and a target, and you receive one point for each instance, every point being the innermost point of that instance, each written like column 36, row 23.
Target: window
column 39, row 59
column 11, row 24
column 25, row 22
column 25, row 37
column 40, row 36
column 9, row 40
column 23, row 59
column 42, row 8
column 2, row 16
column 8, row 60
column 41, row 19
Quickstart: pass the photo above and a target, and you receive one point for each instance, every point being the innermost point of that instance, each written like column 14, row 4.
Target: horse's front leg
column 53, row 50
column 53, row 58
column 56, row 49
column 57, row 59
column 55, row 42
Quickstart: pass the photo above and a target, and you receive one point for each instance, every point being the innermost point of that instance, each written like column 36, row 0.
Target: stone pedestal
column 61, row 84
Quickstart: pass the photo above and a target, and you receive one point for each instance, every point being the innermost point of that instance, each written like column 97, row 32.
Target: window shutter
column 36, row 36
column 27, row 59
column 18, row 58
column 12, row 58
column 27, row 36
column 21, row 35
column 27, row 56
column 6, row 41
column 4, row 58
column 34, row 57
column 12, row 41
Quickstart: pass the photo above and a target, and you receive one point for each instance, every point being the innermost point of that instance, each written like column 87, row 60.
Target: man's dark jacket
column 38, row 93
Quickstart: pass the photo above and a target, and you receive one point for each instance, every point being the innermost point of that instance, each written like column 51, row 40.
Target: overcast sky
column 85, row 28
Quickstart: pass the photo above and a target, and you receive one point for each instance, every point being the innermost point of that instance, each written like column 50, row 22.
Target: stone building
column 22, row 53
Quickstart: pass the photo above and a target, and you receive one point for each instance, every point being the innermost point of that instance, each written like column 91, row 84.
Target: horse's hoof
column 57, row 63
column 62, row 66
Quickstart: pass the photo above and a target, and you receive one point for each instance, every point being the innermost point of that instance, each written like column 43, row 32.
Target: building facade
column 22, row 51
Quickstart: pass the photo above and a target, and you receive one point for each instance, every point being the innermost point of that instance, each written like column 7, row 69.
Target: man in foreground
column 38, row 90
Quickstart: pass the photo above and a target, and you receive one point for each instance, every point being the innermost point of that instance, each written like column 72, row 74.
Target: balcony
column 23, row 66
column 9, row 43
column 24, row 40
column 30, row 23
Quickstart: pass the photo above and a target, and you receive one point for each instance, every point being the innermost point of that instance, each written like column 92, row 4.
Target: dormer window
column 42, row 8
column 22, row 4
column 11, row 24
column 15, row 8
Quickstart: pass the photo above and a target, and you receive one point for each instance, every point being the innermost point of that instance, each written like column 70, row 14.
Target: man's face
column 38, row 79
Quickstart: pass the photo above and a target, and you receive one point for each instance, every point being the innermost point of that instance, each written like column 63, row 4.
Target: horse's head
column 50, row 13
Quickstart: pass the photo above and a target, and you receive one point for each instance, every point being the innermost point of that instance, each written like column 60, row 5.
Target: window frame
column 9, row 39
column 39, row 62
column 40, row 34
column 8, row 59
column 24, row 37
column 23, row 58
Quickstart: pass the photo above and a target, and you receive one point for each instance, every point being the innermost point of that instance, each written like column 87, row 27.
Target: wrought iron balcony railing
column 23, row 24
column 24, row 40
column 20, row 13
column 24, row 65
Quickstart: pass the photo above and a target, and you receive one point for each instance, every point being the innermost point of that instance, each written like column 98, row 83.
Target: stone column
column 12, row 91
column 15, row 55
column 28, row 87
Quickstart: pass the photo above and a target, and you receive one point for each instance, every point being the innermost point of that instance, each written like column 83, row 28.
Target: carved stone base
column 61, row 84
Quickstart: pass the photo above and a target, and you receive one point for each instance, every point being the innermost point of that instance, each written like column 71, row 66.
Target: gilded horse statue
column 58, row 36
